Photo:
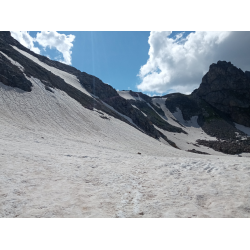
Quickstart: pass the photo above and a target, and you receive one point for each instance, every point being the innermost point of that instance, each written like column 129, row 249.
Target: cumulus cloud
column 63, row 43
column 178, row 63
column 52, row 39
column 25, row 39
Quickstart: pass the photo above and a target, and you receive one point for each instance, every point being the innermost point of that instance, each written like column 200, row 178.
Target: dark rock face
column 141, row 95
column 229, row 146
column 155, row 118
column 10, row 75
column 221, row 129
column 227, row 88
column 151, row 113
column 247, row 73
column 185, row 103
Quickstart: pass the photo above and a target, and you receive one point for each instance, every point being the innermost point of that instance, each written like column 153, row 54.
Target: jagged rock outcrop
column 227, row 88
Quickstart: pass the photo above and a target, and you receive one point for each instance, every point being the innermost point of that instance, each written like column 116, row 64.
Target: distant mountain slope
column 88, row 90
column 220, row 103
column 227, row 88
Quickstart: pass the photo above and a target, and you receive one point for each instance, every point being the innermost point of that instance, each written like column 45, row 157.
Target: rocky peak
column 227, row 88
column 223, row 75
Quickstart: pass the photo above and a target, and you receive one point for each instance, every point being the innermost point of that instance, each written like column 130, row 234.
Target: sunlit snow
column 59, row 159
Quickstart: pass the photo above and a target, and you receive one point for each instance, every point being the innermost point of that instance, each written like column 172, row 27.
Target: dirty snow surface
column 58, row 159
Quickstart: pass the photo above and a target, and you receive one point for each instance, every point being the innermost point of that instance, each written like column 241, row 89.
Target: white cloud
column 61, row 42
column 25, row 39
column 52, row 39
column 178, row 64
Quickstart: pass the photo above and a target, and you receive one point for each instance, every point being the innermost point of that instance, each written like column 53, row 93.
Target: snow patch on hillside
column 68, row 78
column 124, row 116
column 188, row 141
column 13, row 62
column 243, row 128
column 138, row 109
column 190, row 123
column 194, row 131
column 168, row 115
column 126, row 95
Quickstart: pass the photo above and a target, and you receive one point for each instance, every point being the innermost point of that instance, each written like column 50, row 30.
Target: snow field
column 58, row 159
column 59, row 177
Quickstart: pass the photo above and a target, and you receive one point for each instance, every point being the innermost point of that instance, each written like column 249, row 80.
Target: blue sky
column 156, row 62
column 114, row 57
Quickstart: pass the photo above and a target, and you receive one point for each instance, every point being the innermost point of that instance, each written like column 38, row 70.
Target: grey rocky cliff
column 227, row 88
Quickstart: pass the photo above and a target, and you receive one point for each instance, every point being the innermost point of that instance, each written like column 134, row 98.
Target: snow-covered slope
column 68, row 78
column 58, row 114
column 59, row 159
